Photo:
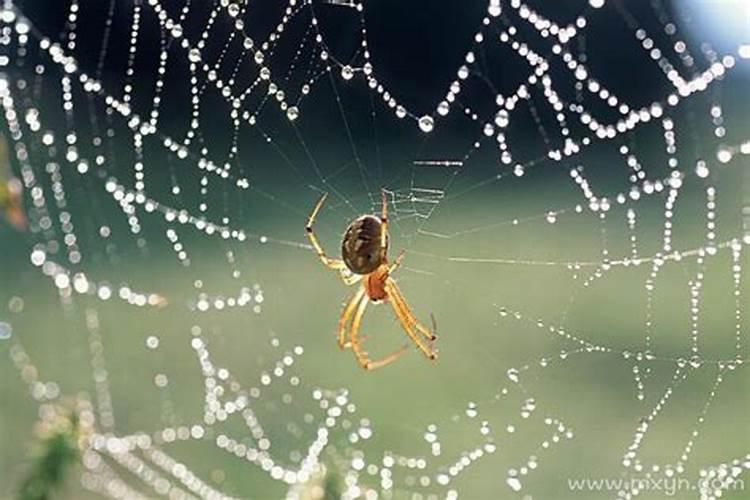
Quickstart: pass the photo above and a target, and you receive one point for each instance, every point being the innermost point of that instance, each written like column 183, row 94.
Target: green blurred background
column 593, row 394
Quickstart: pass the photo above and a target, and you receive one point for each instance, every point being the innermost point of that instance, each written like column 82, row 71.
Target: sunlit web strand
column 135, row 122
column 119, row 192
column 623, row 262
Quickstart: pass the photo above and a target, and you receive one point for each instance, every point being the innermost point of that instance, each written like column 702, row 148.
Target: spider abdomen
column 361, row 248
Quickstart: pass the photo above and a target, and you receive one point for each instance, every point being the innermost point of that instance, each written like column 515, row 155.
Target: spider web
column 606, row 222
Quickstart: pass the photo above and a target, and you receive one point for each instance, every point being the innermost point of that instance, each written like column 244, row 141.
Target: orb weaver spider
column 364, row 259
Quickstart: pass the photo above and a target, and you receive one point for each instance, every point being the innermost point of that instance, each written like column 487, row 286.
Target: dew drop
column 15, row 304
column 724, row 154
column 5, row 330
column 514, row 483
column 38, row 257
column 233, row 9
column 194, row 55
column 160, row 380
column 695, row 361
column 502, row 118
column 152, row 342
column 426, row 124
column 494, row 9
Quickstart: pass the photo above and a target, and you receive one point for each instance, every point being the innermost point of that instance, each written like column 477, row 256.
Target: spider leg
column 362, row 358
column 396, row 263
column 398, row 297
column 409, row 322
column 329, row 262
column 347, row 276
column 372, row 365
column 346, row 314
column 384, row 220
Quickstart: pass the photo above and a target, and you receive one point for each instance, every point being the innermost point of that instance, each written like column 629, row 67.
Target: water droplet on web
column 347, row 72
column 426, row 124
column 471, row 410
column 38, row 257
column 152, row 342
column 695, row 361
column 494, row 8
column 502, row 118
column 292, row 113
column 194, row 55
column 724, row 154
column 233, row 9
column 514, row 483
column 5, row 330
column 15, row 304
column 529, row 405
column 512, row 374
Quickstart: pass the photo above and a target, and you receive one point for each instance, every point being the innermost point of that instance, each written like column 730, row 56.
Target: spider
column 364, row 250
